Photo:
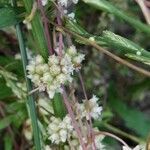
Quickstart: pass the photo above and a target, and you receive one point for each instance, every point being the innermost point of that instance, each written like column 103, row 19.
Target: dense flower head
column 59, row 130
column 50, row 76
column 138, row 147
column 44, row 2
column 90, row 108
column 66, row 2
column 62, row 131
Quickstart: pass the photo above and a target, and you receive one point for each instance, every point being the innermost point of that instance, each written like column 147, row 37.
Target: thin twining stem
column 113, row 136
column 90, row 118
column 59, row 21
column 99, row 48
column 122, row 133
column 74, row 123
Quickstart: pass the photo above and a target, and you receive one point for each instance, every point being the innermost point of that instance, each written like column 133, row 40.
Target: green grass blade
column 110, row 8
column 37, row 30
column 30, row 101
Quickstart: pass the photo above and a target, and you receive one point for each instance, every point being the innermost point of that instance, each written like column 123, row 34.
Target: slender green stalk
column 110, row 8
column 30, row 101
column 118, row 131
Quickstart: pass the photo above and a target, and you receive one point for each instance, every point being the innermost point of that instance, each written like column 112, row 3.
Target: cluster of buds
column 66, row 2
column 58, row 71
column 61, row 131
column 89, row 108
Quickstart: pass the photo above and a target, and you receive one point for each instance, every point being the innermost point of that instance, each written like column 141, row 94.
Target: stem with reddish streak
column 90, row 118
column 74, row 123
column 46, row 29
column 60, row 34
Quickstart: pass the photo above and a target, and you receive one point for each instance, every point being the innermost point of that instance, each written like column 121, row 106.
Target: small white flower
column 55, row 70
column 53, row 60
column 138, row 147
column 79, row 58
column 75, row 1
column 98, row 142
column 51, row 94
column 72, row 50
column 90, row 108
column 63, row 135
column 47, row 147
column 36, row 79
column 54, row 138
column 44, row 2
column 60, row 130
column 40, row 69
column 39, row 59
column 61, row 78
column 63, row 2
column 47, row 78
column 71, row 15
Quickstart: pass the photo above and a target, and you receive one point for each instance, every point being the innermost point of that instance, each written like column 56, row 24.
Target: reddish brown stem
column 90, row 118
column 74, row 123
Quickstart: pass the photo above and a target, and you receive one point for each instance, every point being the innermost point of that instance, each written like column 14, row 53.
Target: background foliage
column 124, row 93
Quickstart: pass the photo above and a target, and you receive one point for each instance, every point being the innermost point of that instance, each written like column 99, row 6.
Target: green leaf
column 8, row 142
column 129, row 48
column 5, row 122
column 145, row 60
column 8, row 17
column 58, row 106
column 19, row 117
column 30, row 101
column 72, row 25
column 5, row 91
column 37, row 30
column 134, row 119
column 115, row 41
column 110, row 8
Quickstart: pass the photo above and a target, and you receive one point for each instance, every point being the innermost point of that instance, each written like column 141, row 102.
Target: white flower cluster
column 138, row 147
column 60, row 130
column 44, row 2
column 65, row 2
column 50, row 76
column 89, row 107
